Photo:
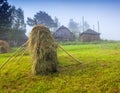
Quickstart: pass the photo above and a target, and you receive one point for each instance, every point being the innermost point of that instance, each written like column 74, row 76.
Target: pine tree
column 5, row 19
column 18, row 27
column 41, row 18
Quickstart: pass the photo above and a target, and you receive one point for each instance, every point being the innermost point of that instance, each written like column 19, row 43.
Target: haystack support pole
column 70, row 54
column 98, row 26
column 11, row 56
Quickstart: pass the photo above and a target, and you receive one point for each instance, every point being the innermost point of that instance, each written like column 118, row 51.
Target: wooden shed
column 63, row 34
column 89, row 35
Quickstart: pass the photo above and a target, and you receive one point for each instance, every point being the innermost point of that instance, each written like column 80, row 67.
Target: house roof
column 63, row 28
column 62, row 31
column 90, row 31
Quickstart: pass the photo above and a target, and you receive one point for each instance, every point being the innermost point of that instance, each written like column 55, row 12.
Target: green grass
column 98, row 73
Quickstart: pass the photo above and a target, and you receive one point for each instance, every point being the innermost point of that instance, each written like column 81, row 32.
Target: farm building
column 63, row 34
column 89, row 35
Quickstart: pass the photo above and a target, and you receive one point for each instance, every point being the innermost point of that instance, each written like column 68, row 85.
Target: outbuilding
column 89, row 35
column 63, row 34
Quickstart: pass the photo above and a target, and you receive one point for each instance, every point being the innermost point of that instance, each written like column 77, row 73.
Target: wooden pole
column 70, row 55
column 80, row 28
column 98, row 26
column 93, row 27
column 83, row 22
column 12, row 56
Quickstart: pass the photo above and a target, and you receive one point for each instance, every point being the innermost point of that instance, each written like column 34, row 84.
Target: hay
column 43, row 50
column 4, row 47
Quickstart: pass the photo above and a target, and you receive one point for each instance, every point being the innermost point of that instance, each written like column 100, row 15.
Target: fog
column 105, row 11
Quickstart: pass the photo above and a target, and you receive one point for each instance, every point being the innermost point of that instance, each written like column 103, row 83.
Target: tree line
column 13, row 26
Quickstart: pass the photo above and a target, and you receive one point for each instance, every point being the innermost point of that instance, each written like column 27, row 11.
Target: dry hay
column 4, row 47
column 43, row 50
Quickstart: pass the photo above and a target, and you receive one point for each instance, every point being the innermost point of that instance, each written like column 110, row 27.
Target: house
column 89, row 35
column 63, row 34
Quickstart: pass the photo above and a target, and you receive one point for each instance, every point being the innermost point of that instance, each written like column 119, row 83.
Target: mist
column 105, row 11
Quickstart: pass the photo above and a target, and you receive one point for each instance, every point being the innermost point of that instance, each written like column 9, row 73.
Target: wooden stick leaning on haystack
column 13, row 56
column 70, row 54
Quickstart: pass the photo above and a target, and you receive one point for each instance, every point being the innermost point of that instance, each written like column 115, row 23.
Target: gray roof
column 63, row 28
column 63, row 33
column 90, row 31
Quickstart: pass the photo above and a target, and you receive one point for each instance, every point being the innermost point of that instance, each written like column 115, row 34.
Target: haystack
column 4, row 47
column 43, row 50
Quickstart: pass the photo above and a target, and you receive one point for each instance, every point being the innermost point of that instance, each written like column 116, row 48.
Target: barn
column 63, row 34
column 89, row 35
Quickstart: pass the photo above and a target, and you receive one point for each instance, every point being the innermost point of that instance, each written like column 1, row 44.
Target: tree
column 57, row 24
column 18, row 19
column 74, row 27
column 41, row 18
column 18, row 25
column 86, row 25
column 5, row 19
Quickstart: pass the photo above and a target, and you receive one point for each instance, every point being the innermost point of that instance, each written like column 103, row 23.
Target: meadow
column 99, row 71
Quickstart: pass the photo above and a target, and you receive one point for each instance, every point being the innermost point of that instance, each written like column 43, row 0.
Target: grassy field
column 98, row 73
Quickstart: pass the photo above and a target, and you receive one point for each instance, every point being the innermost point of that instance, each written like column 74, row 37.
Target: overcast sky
column 107, row 12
